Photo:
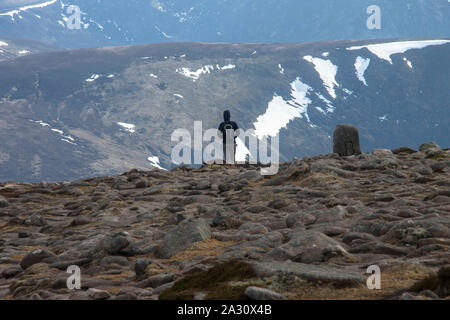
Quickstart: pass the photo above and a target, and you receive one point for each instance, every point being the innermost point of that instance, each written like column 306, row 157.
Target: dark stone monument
column 346, row 140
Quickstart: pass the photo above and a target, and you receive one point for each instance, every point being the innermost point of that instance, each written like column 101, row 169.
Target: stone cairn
column 346, row 140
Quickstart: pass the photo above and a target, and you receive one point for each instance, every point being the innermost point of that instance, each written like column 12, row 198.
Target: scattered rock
column 405, row 150
column 157, row 280
column 407, row 296
column 80, row 221
column 182, row 236
column 3, row 202
column 440, row 166
column 253, row 228
column 36, row 256
column 317, row 212
column 11, row 272
column 97, row 294
column 140, row 266
column 309, row 247
column 428, row 145
column 256, row 293
column 141, row 184
column 318, row 273
column 382, row 152
column 37, row 220
column 114, row 243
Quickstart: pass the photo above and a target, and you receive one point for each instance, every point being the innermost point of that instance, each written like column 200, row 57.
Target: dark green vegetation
column 215, row 282
column 437, row 282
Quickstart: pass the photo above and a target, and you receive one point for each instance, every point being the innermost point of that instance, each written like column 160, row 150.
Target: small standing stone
column 346, row 140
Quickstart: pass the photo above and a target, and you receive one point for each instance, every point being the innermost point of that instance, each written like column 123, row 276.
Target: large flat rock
column 309, row 272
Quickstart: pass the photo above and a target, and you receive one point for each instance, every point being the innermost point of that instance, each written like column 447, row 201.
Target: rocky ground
column 309, row 232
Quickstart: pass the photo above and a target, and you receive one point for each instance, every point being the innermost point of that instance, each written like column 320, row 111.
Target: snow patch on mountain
column 15, row 12
column 361, row 66
column 408, row 62
column 349, row 92
column 167, row 36
column 330, row 107
column 42, row 123
column 327, row 72
column 65, row 138
column 155, row 162
column 93, row 78
column 227, row 67
column 127, row 126
column 279, row 111
column 195, row 75
column 241, row 151
column 70, row 142
column 158, row 5
column 386, row 50
column 3, row 44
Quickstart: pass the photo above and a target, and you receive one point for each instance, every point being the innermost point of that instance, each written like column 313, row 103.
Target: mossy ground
column 215, row 282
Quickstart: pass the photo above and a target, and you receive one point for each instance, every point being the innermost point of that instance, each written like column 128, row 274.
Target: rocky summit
column 312, row 231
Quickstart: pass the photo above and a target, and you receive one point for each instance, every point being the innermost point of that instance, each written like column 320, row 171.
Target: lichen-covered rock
column 182, row 236
column 309, row 247
column 428, row 145
column 36, row 256
column 3, row 202
column 309, row 272
column 115, row 242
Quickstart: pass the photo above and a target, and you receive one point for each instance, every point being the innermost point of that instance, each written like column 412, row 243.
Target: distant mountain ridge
column 89, row 112
column 12, row 48
column 124, row 22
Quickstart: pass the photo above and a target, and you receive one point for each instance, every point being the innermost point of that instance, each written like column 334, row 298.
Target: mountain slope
column 123, row 22
column 12, row 48
column 73, row 114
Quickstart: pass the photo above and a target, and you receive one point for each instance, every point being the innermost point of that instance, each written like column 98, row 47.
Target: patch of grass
column 214, row 281
column 206, row 248
column 120, row 276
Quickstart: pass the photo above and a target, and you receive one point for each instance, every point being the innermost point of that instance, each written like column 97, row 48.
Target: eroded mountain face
column 309, row 232
column 72, row 114
column 123, row 22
